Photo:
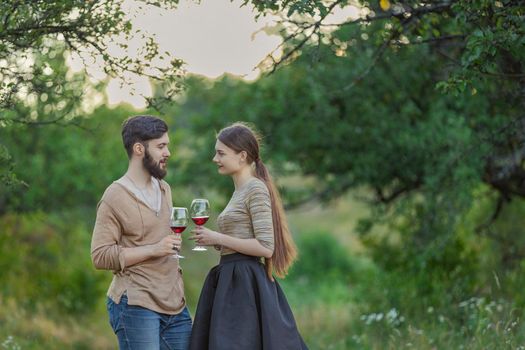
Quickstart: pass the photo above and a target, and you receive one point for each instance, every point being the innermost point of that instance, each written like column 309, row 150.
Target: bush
column 45, row 261
column 322, row 258
column 327, row 272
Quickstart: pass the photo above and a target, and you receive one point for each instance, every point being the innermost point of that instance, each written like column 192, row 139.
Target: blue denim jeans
column 138, row 328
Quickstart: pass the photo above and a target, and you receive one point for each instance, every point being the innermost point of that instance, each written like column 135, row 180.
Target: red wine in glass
column 200, row 213
column 200, row 220
column 178, row 223
column 178, row 229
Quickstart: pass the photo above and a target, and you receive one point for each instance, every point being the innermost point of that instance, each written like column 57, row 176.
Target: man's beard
column 153, row 168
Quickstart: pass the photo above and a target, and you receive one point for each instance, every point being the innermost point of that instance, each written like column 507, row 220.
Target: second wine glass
column 200, row 213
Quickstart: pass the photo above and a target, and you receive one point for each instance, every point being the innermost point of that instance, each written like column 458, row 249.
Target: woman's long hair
column 241, row 137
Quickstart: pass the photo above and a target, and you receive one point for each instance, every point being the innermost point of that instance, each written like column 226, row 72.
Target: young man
column 132, row 237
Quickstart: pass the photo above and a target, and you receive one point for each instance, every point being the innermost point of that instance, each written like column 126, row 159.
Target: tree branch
column 477, row 70
column 35, row 122
column 497, row 210
column 438, row 39
column 297, row 47
column 378, row 54
column 323, row 195
column 397, row 192
column 416, row 12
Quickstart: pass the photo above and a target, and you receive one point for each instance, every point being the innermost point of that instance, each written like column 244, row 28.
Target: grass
column 38, row 329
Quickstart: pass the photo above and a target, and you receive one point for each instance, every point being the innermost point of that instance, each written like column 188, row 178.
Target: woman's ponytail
column 285, row 251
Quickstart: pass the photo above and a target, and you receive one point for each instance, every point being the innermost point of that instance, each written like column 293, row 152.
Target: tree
column 34, row 34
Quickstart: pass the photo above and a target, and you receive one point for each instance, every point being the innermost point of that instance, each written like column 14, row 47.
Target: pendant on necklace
column 157, row 213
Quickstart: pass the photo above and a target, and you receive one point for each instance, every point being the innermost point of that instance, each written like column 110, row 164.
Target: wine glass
column 200, row 213
column 178, row 223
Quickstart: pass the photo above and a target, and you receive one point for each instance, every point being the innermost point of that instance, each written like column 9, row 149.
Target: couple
column 240, row 306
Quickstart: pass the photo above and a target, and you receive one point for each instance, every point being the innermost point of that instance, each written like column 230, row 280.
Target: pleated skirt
column 240, row 308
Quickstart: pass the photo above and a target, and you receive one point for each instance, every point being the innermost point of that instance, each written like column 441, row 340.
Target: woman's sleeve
column 260, row 209
column 106, row 253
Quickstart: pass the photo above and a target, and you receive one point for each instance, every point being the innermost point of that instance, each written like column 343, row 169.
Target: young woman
column 241, row 306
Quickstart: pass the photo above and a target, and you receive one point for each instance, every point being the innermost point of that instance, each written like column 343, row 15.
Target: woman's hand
column 205, row 236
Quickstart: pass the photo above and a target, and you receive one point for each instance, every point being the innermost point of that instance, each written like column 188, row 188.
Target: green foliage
column 74, row 164
column 7, row 176
column 322, row 274
column 500, row 247
column 45, row 262
column 332, row 262
column 494, row 46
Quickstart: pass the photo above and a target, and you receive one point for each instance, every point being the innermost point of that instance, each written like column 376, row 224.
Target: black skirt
column 240, row 308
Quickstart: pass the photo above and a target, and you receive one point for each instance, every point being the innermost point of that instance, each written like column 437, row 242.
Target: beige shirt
column 155, row 202
column 248, row 215
column 124, row 220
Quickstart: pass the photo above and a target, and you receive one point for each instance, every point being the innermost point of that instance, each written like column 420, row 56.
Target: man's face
column 156, row 156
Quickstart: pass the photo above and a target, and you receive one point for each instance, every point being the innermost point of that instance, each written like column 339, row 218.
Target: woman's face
column 228, row 161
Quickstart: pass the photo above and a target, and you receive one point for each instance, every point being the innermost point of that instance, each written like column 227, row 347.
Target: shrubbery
column 44, row 259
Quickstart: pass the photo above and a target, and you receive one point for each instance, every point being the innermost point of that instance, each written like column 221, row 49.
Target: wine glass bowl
column 200, row 213
column 178, row 222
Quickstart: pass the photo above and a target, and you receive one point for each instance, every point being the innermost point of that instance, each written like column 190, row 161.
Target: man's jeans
column 138, row 328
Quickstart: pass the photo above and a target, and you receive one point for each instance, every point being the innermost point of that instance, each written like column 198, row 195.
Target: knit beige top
column 248, row 215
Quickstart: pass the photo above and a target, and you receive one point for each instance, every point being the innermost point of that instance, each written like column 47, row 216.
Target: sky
column 213, row 37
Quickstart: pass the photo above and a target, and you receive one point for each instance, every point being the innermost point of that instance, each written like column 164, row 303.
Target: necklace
column 156, row 209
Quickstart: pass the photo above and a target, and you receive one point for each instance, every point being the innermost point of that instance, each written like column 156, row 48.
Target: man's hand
column 166, row 246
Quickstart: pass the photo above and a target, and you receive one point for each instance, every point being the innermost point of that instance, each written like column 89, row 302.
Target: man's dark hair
column 141, row 128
